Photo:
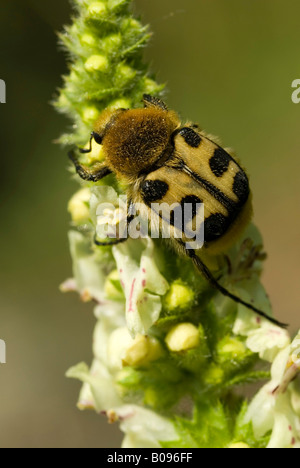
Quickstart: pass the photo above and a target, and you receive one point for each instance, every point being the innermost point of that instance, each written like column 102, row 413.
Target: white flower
column 142, row 282
column 100, row 196
column 89, row 273
column 78, row 206
column 113, row 348
column 262, row 336
column 140, row 278
column 267, row 340
column 110, row 319
column 113, row 344
column 273, row 408
column 111, row 223
column 144, row 428
column 99, row 391
column 108, row 213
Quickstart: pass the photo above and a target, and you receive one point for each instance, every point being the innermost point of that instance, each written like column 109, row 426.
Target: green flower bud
column 150, row 86
column 120, row 104
column 151, row 398
column 90, row 114
column 124, row 74
column 214, row 375
column 97, row 9
column 88, row 39
column 112, row 43
column 183, row 337
column 131, row 24
column 231, row 348
column 96, row 63
column 179, row 296
column 239, row 445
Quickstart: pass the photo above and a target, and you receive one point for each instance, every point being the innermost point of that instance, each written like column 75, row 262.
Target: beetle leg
column 109, row 243
column 92, row 175
column 151, row 101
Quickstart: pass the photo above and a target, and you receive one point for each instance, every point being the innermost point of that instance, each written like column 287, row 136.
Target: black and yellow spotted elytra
column 162, row 161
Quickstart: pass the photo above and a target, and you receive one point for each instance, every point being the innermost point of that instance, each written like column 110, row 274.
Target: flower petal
column 144, row 428
column 267, row 341
column 100, row 382
column 88, row 273
column 142, row 282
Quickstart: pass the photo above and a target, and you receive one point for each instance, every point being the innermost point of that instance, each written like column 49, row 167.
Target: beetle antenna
column 210, row 278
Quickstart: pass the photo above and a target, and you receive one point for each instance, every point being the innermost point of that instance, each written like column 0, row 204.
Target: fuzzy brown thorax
column 135, row 140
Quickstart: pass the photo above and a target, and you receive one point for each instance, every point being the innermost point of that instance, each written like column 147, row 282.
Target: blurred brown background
column 229, row 65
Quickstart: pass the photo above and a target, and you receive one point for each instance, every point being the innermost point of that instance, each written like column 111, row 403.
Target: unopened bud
column 239, row 445
column 143, row 350
column 90, row 114
column 88, row 39
column 120, row 104
column 78, row 206
column 96, row 9
column 231, row 348
column 97, row 63
column 183, row 337
column 179, row 296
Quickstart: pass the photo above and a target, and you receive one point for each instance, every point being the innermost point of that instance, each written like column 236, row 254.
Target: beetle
column 162, row 160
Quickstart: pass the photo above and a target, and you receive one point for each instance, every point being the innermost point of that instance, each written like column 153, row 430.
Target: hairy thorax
column 138, row 139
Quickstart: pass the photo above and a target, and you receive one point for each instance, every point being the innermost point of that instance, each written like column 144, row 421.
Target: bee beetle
column 162, row 161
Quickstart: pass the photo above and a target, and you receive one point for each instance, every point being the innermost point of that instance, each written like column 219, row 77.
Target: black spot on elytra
column 241, row 186
column 190, row 209
column 189, row 206
column 219, row 162
column 176, row 218
column 184, row 213
column 153, row 190
column 215, row 227
column 191, row 137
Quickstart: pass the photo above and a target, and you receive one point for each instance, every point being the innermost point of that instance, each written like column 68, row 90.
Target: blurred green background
column 229, row 65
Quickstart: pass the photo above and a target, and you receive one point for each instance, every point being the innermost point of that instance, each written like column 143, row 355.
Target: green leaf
column 209, row 427
column 247, row 378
